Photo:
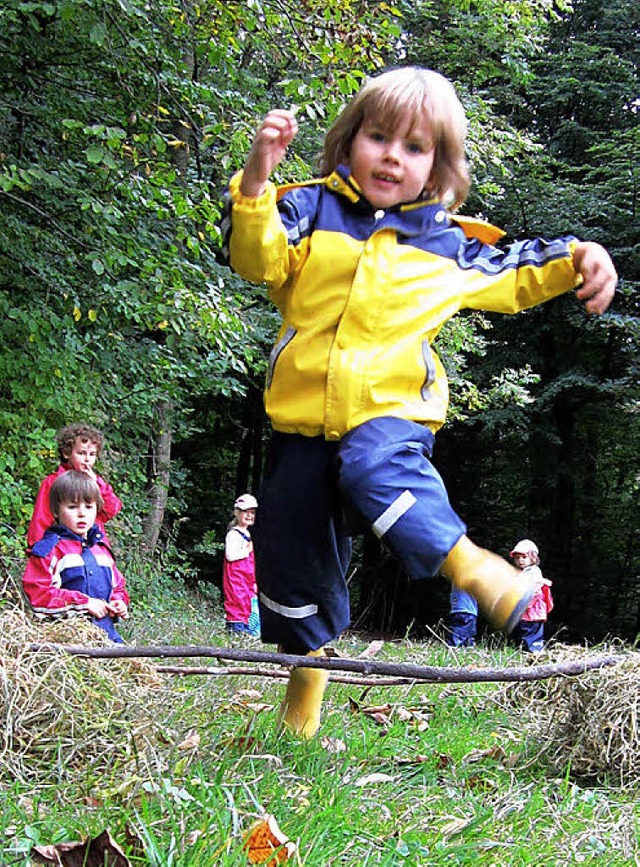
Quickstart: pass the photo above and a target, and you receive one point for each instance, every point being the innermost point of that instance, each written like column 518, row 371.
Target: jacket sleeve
column 517, row 277
column 119, row 590
column 42, row 517
column 236, row 546
column 45, row 598
column 112, row 504
column 260, row 248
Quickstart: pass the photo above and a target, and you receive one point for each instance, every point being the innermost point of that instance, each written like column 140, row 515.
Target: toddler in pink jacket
column 529, row 632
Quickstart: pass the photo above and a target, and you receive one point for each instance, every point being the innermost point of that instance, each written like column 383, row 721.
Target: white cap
column 525, row 546
column 246, row 501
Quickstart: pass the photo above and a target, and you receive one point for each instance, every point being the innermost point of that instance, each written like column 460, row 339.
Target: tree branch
column 412, row 671
column 278, row 673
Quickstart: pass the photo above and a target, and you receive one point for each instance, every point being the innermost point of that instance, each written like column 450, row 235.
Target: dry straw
column 590, row 724
column 60, row 713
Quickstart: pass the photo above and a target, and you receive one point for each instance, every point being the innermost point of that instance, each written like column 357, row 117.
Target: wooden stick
column 216, row 671
column 412, row 671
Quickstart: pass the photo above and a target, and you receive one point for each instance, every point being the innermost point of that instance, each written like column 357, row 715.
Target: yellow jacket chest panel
column 363, row 295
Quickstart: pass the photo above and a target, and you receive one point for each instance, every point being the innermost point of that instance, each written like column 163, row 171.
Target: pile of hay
column 590, row 722
column 61, row 714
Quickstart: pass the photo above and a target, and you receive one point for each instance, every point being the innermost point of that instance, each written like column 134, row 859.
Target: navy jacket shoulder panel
column 43, row 547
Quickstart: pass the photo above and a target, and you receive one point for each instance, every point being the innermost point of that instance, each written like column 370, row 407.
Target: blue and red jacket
column 64, row 570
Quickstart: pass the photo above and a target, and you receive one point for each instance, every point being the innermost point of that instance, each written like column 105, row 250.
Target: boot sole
column 518, row 611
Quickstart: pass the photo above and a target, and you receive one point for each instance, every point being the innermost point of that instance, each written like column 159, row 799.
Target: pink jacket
column 542, row 602
column 42, row 518
column 238, row 576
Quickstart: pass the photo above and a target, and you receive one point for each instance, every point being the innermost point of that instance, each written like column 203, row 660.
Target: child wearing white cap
column 529, row 631
column 239, row 574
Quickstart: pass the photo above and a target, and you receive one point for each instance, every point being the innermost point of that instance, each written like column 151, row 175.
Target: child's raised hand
column 600, row 278
column 276, row 133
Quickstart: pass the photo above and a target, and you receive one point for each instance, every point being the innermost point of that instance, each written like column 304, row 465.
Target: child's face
column 245, row 517
column 78, row 516
column 83, row 455
column 392, row 166
column 521, row 561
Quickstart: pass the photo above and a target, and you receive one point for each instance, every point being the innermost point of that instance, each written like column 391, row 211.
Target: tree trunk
column 250, row 457
column 159, row 476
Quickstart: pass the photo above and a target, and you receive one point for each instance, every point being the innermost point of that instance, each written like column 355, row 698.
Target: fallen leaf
column 266, row 844
column 403, row 714
column 454, row 827
column 257, row 707
column 378, row 713
column 371, row 779
column 377, row 709
column 333, row 745
column 242, row 742
column 418, row 759
column 191, row 742
column 476, row 782
column 247, row 694
column 101, row 851
column 443, row 761
column 371, row 650
column 495, row 752
column 91, row 802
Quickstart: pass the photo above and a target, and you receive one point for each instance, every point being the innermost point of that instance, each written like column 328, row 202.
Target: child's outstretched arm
column 276, row 133
column 598, row 273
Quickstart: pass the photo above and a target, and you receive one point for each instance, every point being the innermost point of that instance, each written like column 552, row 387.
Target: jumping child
column 366, row 264
column 79, row 447
column 71, row 571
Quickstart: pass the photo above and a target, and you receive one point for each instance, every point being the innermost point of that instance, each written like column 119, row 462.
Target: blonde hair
column 388, row 98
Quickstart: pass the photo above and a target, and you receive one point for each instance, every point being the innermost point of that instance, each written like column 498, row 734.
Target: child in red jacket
column 79, row 447
column 529, row 631
column 71, row 570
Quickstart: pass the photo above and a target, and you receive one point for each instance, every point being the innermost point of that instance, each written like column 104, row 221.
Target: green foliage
column 121, row 123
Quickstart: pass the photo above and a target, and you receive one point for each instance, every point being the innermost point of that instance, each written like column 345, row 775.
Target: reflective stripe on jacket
column 364, row 293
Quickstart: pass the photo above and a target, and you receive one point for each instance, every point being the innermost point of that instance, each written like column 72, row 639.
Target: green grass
column 453, row 778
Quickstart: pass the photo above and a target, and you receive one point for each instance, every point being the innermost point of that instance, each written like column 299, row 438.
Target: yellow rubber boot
column 301, row 705
column 502, row 592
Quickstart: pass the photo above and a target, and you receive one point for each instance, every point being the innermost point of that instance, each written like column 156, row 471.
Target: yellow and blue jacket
column 363, row 294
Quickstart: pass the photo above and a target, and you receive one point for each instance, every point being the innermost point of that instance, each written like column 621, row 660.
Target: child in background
column 366, row 264
column 71, row 570
column 79, row 447
column 462, row 622
column 529, row 631
column 239, row 574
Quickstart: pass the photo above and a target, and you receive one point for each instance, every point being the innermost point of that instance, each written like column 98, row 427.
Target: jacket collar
column 409, row 219
column 94, row 535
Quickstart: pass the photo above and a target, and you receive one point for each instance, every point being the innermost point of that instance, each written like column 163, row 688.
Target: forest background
column 121, row 121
